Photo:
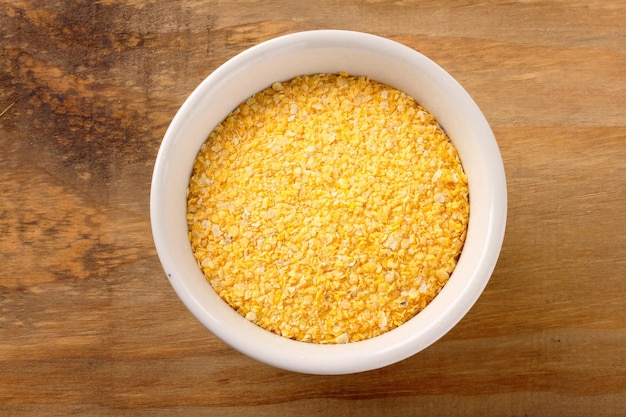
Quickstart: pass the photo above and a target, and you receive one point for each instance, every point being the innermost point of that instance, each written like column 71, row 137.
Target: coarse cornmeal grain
column 329, row 208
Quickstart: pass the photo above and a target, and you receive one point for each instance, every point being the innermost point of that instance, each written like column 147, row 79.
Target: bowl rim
column 393, row 346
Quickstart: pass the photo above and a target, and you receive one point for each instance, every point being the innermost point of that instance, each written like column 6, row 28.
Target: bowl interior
column 330, row 52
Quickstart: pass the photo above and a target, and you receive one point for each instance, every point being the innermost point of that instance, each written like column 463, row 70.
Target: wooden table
column 89, row 324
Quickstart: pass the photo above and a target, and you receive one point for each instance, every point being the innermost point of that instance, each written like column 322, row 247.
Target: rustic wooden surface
column 89, row 324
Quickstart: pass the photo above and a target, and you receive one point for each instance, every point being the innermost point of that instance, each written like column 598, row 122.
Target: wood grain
column 88, row 322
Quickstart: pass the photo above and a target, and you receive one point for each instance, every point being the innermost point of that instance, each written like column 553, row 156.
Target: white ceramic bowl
column 330, row 51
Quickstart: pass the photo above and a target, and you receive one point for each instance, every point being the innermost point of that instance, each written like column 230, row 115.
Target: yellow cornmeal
column 328, row 208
